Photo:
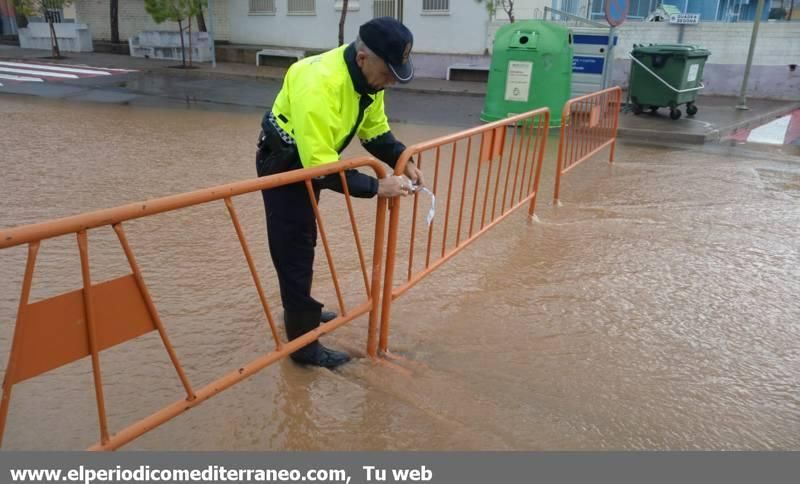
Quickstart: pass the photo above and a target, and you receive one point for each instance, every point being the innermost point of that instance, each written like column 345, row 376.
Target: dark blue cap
column 391, row 41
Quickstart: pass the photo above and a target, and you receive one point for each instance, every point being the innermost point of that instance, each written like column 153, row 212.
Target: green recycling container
column 666, row 75
column 531, row 68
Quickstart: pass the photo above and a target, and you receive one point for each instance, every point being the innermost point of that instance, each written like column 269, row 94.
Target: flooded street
column 656, row 308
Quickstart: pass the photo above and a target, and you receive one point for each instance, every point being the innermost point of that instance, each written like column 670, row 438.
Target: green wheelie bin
column 666, row 75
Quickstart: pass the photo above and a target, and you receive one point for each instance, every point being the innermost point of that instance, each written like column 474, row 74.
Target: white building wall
column 778, row 42
column 319, row 31
column 525, row 9
column 461, row 31
column 133, row 18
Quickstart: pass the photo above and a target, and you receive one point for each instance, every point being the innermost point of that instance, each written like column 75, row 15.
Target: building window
column 54, row 14
column 352, row 5
column 262, row 7
column 302, row 7
column 637, row 10
column 435, row 6
column 384, row 8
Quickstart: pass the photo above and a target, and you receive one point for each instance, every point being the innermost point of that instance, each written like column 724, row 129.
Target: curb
column 757, row 121
column 205, row 73
column 268, row 77
column 715, row 133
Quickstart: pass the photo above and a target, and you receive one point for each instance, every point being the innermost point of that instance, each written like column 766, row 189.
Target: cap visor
column 404, row 72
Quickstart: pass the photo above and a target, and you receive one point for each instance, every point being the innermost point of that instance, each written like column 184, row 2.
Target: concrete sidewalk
column 222, row 70
column 716, row 119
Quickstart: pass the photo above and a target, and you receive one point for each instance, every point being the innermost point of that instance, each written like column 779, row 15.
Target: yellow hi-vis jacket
column 318, row 107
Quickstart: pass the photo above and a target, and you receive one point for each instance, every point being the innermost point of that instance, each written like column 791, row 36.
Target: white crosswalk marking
column 31, row 71
column 40, row 73
column 20, row 78
column 70, row 70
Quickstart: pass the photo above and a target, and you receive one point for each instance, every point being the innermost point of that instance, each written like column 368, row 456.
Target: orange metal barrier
column 492, row 153
column 113, row 312
column 589, row 123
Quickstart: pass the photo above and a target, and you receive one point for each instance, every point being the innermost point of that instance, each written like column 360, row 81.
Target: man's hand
column 414, row 174
column 394, row 186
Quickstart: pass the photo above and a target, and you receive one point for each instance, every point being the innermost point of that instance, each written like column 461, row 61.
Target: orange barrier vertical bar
column 10, row 377
column 463, row 190
column 561, row 152
column 377, row 267
column 83, row 246
column 430, row 228
column 532, row 138
column 516, row 170
column 477, row 183
column 449, row 194
column 355, row 230
column 151, row 308
column 256, row 280
column 544, row 124
column 414, row 224
column 584, row 128
column 570, row 155
column 617, row 103
column 500, row 169
column 313, row 199
column 536, row 159
column 486, row 194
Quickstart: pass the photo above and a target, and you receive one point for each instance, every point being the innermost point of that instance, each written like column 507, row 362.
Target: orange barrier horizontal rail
column 588, row 125
column 504, row 157
column 116, row 311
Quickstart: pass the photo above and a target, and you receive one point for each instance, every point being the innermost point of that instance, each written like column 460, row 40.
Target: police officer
column 325, row 101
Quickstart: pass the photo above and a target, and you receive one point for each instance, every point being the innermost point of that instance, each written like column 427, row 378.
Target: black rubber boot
column 314, row 354
column 324, row 316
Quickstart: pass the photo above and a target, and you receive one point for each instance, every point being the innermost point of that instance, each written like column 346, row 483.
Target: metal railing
column 501, row 157
column 480, row 175
column 53, row 332
column 588, row 124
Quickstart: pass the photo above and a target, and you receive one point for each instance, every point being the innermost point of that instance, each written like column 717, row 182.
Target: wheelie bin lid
column 671, row 49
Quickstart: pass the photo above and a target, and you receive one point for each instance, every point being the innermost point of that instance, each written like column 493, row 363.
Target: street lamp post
column 211, row 33
column 757, row 21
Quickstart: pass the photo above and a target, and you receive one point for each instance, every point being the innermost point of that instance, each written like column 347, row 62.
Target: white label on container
column 518, row 81
column 693, row 72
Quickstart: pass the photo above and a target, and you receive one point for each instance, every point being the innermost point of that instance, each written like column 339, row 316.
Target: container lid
column 671, row 49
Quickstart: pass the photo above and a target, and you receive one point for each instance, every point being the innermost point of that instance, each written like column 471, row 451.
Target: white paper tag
column 432, row 211
column 518, row 81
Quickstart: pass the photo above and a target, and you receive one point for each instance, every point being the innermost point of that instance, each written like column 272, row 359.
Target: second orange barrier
column 588, row 125
column 486, row 173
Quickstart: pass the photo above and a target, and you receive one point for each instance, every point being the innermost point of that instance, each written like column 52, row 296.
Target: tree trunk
column 183, row 50
column 341, row 22
column 190, row 41
column 53, row 38
column 201, row 22
column 115, row 21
